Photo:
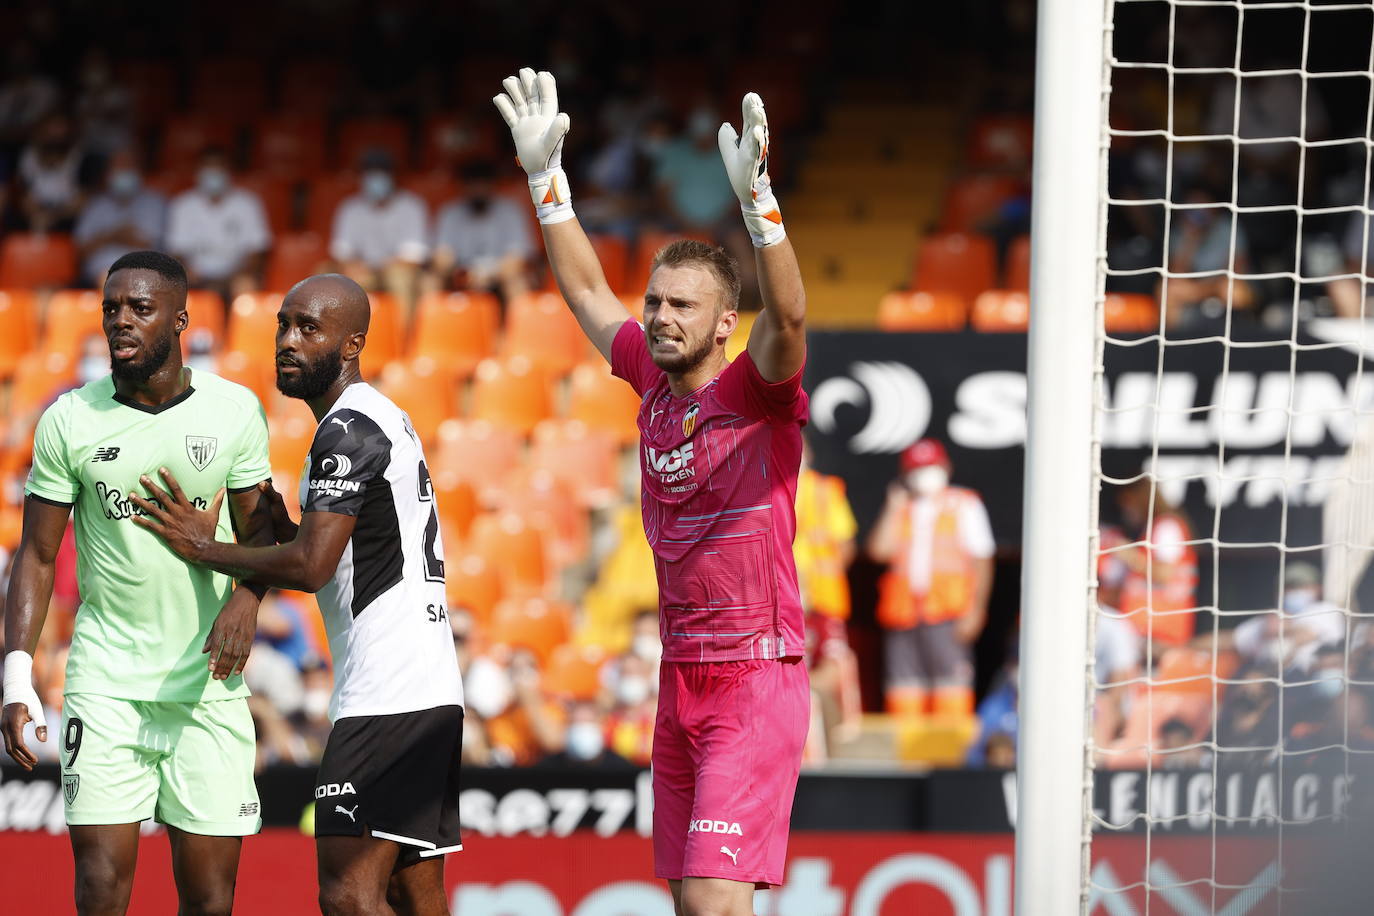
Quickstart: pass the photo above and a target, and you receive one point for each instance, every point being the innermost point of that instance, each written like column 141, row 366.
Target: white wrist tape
column 18, row 685
column 551, row 195
column 763, row 219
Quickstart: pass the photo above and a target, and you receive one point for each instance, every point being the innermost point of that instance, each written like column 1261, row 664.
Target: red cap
column 923, row 453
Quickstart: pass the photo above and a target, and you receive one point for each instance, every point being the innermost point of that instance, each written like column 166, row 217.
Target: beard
column 688, row 359
column 143, row 369
column 314, row 378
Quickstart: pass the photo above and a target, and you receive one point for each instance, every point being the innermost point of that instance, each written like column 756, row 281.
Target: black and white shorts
column 395, row 776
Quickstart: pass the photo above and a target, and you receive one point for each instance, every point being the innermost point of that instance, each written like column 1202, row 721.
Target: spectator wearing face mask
column 503, row 691
column 219, row 231
column 49, row 178
column 631, row 723
column 1306, row 622
column 937, row 542
column 482, row 240
column 693, row 186
column 123, row 217
column 381, row 235
column 1158, row 591
column 584, row 744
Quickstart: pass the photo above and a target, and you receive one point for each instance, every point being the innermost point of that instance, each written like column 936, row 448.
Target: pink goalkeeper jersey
column 719, row 470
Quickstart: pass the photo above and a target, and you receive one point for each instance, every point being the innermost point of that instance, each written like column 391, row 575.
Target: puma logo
column 734, row 856
column 343, row 423
column 342, row 810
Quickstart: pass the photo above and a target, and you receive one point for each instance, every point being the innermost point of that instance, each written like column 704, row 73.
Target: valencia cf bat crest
column 689, row 422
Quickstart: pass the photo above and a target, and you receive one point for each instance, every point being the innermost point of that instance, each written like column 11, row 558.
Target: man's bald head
column 338, row 296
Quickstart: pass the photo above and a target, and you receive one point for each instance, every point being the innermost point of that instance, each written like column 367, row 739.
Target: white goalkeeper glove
column 746, row 162
column 18, row 686
column 530, row 108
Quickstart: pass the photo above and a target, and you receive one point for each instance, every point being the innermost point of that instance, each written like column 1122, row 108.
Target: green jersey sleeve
column 51, row 476
column 252, row 465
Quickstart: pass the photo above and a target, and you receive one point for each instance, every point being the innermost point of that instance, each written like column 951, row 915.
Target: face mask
column 91, row 368
column 377, row 185
column 124, row 182
column 585, row 740
column 701, row 124
column 647, row 647
column 212, row 180
column 1298, row 599
column 1330, row 685
column 928, row 481
column 487, row 688
column 315, row 704
column 631, row 691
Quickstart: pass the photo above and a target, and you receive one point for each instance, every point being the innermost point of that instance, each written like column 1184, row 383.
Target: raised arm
column 530, row 108
column 25, row 611
column 777, row 343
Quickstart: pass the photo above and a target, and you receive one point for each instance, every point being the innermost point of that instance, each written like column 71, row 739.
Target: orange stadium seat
column 515, row 547
column 531, row 623
column 11, row 526
column 547, row 503
column 457, row 501
column 281, row 408
column 512, row 392
column 422, row 391
column 476, row 451
column 574, row 672
column 614, row 254
column 308, row 85
column 583, row 458
column 185, row 137
column 207, row 314
column 604, row 402
column 327, row 191
column 451, row 139
column 1001, row 310
column 275, row 193
column 253, row 325
column 1130, row 312
column 295, row 256
column 359, row 135
column 288, row 442
column 72, row 316
column 436, row 187
column 40, row 377
column 637, row 277
column 33, row 260
column 973, row 200
column 384, row 333
column 956, row 262
column 634, row 304
column 252, row 371
column 1000, row 141
column 540, row 326
column 19, row 318
column 289, row 145
column 903, row 311
column 1017, row 273
column 234, row 88
column 472, row 582
column 456, row 329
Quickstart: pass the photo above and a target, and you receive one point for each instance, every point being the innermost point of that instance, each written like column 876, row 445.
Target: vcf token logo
column 668, row 462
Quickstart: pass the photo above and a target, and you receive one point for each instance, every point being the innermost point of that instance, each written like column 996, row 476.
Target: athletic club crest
column 689, row 422
column 71, row 784
column 201, row 450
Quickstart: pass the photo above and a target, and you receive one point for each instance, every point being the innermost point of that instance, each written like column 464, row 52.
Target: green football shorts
column 189, row 765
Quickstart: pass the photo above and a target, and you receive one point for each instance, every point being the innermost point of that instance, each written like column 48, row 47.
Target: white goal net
column 1232, row 652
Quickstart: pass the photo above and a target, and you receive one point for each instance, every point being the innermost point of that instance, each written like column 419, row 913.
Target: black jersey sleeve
column 349, row 452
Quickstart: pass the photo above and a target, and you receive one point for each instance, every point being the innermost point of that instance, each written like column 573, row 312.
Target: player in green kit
column 155, row 718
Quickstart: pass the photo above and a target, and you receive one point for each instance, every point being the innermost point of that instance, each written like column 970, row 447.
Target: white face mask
column 927, row 481
column 315, row 704
column 212, row 180
column 585, row 740
column 1295, row 600
column 632, row 690
column 487, row 688
column 647, row 647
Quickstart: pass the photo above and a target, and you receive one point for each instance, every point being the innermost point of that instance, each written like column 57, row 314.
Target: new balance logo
column 248, row 809
column 340, row 809
column 107, row 453
column 734, row 856
column 343, row 423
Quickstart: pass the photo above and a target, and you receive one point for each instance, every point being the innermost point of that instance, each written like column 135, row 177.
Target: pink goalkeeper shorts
column 727, row 750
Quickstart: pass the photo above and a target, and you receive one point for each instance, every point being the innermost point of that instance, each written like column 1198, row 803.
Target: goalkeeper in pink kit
column 719, row 455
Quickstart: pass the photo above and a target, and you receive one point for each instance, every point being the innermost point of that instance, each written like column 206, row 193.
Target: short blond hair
column 693, row 253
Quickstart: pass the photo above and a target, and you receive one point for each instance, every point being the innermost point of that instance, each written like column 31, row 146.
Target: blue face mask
column 125, row 183
column 377, row 185
column 212, row 180
column 1330, row 685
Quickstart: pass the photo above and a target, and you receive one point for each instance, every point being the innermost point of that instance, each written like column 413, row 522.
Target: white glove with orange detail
column 530, row 107
column 746, row 162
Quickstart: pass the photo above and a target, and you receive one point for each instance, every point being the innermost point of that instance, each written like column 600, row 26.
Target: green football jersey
column 145, row 613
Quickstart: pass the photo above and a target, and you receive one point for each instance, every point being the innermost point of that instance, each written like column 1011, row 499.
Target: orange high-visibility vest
column 950, row 592
column 824, row 520
column 1153, row 601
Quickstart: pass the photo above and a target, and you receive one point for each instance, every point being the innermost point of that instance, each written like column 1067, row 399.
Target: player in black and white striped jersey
column 368, row 542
